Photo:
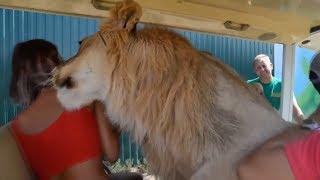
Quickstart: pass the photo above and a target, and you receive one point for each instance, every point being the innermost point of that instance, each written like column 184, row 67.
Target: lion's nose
column 67, row 82
column 60, row 80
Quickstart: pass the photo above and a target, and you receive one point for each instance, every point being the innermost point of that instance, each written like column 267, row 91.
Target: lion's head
column 84, row 77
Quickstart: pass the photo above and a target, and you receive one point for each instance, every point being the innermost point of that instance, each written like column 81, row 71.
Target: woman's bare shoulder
column 41, row 113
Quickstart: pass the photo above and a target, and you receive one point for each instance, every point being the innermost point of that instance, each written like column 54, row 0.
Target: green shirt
column 272, row 91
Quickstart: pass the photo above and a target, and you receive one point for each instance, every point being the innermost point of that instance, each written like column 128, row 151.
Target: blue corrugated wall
column 237, row 53
column 66, row 31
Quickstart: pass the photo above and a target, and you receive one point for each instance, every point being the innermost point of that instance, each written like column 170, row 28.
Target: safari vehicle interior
column 289, row 22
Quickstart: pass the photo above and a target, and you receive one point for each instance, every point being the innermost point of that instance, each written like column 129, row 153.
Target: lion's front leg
column 161, row 165
column 215, row 170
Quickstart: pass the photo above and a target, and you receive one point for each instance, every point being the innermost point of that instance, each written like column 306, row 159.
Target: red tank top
column 73, row 138
column 303, row 155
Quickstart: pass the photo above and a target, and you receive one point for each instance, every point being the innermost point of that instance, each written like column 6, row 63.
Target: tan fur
column 192, row 115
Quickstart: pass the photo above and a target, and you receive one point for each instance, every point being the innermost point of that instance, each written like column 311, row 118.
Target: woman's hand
column 109, row 135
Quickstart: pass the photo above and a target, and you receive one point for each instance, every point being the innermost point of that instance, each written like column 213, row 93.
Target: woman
column 56, row 144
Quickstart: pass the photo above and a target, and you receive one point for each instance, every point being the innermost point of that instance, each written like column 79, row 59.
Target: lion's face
column 81, row 80
column 86, row 76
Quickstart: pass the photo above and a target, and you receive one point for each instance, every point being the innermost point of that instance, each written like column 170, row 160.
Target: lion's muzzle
column 60, row 81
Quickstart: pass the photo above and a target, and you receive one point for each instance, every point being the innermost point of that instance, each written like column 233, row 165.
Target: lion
column 193, row 116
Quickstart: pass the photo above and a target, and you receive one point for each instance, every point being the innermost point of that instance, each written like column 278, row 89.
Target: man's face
column 263, row 68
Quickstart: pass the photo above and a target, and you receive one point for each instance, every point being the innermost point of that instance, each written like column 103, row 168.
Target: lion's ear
column 125, row 15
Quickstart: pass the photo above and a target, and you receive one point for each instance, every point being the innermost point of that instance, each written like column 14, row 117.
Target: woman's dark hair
column 32, row 63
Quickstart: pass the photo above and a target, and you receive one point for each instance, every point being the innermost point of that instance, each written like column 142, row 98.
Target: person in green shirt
column 271, row 85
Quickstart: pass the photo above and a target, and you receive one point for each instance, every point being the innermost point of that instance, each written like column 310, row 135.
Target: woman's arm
column 109, row 135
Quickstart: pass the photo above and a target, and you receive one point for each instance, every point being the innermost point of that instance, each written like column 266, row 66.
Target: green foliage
column 305, row 65
column 309, row 99
column 127, row 165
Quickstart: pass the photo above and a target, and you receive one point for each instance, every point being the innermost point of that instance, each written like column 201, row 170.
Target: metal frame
column 288, row 70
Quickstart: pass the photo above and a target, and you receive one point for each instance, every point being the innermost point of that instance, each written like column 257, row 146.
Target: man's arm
column 297, row 113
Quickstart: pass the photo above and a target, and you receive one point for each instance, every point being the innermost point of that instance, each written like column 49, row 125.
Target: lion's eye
column 80, row 42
